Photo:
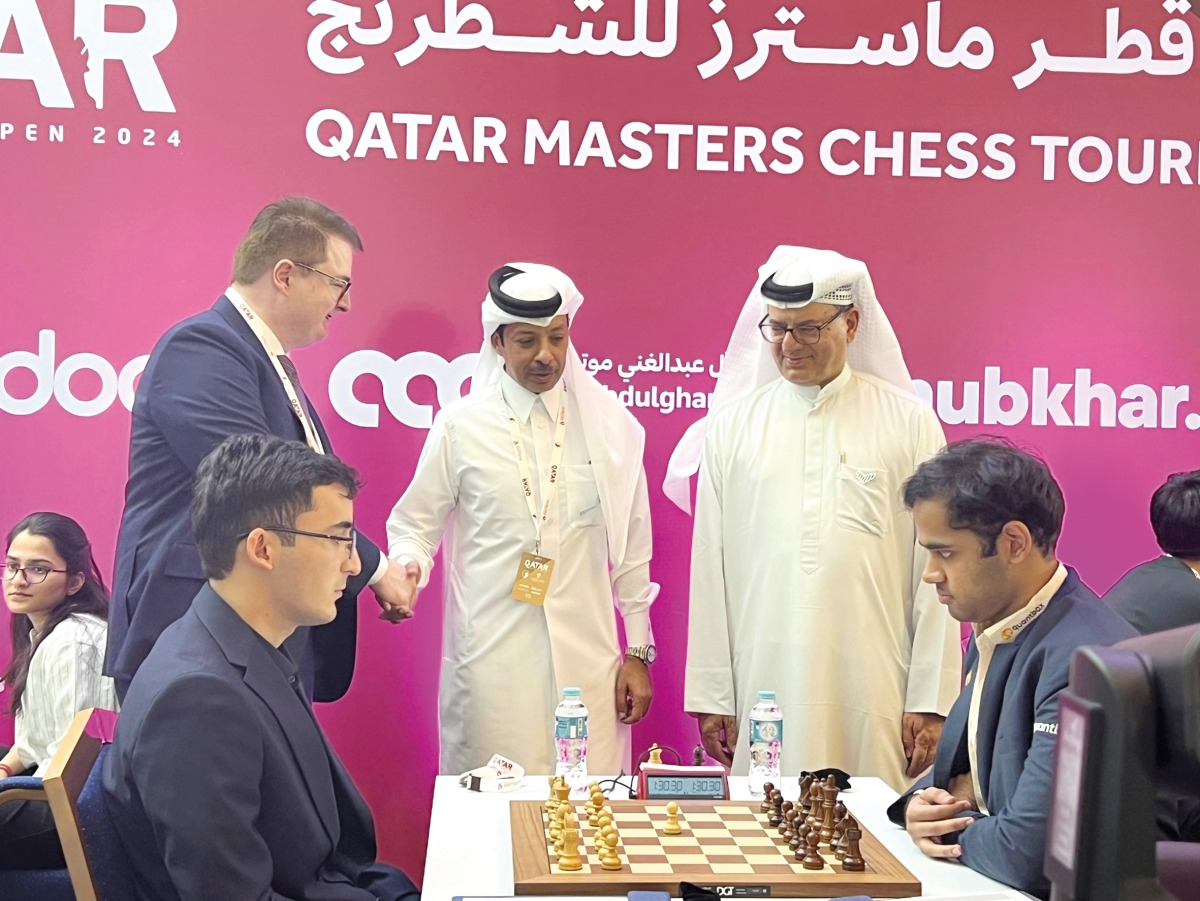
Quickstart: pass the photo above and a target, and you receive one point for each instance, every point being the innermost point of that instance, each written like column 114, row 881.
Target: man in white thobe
column 806, row 578
column 534, row 419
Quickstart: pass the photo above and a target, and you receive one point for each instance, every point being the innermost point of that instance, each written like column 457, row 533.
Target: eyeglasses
column 343, row 283
column 774, row 332
column 35, row 574
column 351, row 542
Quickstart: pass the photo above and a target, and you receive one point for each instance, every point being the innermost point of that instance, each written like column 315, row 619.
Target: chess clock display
column 663, row 782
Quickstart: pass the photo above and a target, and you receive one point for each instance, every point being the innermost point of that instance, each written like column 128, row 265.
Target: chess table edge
column 533, row 874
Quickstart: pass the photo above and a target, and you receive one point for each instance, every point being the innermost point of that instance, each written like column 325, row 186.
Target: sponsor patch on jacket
column 1009, row 633
column 1052, row 728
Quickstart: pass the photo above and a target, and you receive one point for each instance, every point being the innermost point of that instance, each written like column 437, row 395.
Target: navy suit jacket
column 221, row 783
column 207, row 378
column 1156, row 596
column 1018, row 729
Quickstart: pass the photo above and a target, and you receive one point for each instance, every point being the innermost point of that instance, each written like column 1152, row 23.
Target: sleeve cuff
column 637, row 630
column 380, row 570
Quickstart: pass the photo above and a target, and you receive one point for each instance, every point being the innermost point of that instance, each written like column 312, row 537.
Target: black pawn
column 813, row 859
column 797, row 843
column 784, row 810
column 789, row 826
column 775, row 817
column 765, row 806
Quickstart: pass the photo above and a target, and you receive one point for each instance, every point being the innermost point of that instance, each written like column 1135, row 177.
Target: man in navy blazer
column 990, row 516
column 221, row 782
column 226, row 372
column 1164, row 593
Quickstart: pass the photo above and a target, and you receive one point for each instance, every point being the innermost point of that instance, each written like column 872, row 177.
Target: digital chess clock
column 660, row 781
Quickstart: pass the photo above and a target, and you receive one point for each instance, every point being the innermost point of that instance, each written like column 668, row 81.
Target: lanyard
column 274, row 349
column 560, row 432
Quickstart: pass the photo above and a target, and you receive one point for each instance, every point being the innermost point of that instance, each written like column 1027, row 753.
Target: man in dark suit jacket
column 226, row 372
column 1165, row 593
column 221, row 782
column 990, row 516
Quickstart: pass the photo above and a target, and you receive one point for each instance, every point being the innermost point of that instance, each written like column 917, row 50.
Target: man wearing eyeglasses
column 224, row 372
column 221, row 782
column 805, row 571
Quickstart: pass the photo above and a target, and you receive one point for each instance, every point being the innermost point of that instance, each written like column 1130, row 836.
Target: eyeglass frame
column 791, row 329
column 352, row 540
column 11, row 570
column 344, row 282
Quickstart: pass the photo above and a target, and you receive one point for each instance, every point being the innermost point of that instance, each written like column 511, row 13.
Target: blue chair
column 96, row 862
column 34, row 885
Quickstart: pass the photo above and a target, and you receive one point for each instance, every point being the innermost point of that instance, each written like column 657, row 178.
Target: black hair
column 987, row 482
column 251, row 480
column 1175, row 515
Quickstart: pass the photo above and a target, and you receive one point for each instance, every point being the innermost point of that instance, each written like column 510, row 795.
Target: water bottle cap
column 571, row 693
column 766, row 696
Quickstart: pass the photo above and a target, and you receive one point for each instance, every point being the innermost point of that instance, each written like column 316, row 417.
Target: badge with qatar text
column 533, row 578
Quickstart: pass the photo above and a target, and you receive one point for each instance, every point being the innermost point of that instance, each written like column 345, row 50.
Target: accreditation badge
column 533, row 578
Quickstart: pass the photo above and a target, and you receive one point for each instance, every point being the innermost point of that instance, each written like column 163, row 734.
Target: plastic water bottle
column 570, row 741
column 766, row 742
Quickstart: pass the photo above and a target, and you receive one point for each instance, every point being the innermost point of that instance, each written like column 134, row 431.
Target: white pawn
column 672, row 827
column 609, row 858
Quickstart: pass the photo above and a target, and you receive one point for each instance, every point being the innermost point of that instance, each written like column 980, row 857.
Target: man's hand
column 919, row 732
column 931, row 814
column 718, row 734
column 396, row 592
column 634, row 691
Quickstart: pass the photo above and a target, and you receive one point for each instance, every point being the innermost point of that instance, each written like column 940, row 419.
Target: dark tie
column 289, row 369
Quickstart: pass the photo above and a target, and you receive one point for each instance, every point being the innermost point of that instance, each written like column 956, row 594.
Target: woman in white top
column 59, row 610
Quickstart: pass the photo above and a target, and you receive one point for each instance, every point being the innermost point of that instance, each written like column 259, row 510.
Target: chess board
column 724, row 843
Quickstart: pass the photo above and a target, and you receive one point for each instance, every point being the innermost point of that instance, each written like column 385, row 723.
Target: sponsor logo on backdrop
column 102, row 54
column 992, row 401
column 395, row 375
column 58, row 381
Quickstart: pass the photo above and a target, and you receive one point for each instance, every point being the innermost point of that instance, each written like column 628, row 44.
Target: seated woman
column 59, row 610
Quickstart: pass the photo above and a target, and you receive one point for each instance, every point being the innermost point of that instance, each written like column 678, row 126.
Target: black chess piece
column 813, row 859
column 799, row 844
column 789, row 825
column 853, row 861
column 805, row 787
column 839, row 826
column 765, row 806
column 784, row 810
column 776, row 814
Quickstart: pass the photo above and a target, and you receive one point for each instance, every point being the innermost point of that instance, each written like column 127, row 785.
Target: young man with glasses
column 220, row 781
column 805, row 571
column 224, row 372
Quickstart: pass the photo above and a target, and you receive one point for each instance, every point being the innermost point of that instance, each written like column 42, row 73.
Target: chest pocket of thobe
column 863, row 499
column 583, row 498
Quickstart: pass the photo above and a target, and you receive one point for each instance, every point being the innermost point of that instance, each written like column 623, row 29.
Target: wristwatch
column 645, row 653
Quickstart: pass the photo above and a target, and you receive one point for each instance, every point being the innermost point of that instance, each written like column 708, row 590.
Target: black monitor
column 1128, row 728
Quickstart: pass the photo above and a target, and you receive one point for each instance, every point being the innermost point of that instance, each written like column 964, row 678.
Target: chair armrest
column 22, row 788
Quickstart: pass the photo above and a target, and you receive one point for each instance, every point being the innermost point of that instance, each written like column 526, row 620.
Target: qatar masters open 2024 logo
column 133, row 50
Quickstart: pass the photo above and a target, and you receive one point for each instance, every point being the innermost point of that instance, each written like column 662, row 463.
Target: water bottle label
column 570, row 727
column 766, row 731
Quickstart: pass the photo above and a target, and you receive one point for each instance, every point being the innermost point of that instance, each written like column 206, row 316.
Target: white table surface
column 470, row 840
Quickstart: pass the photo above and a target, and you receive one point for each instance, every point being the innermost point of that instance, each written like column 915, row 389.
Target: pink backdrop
column 983, row 258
